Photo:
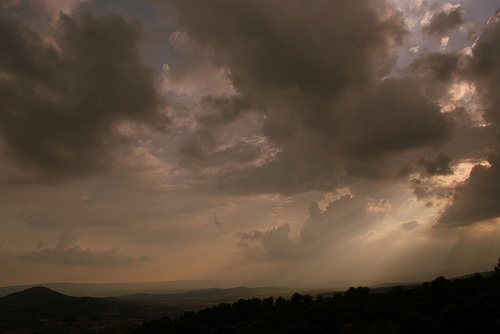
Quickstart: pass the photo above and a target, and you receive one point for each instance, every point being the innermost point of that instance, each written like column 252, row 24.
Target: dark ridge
column 37, row 294
column 462, row 306
column 41, row 302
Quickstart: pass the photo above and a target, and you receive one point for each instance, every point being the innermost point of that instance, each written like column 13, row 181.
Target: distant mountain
column 461, row 306
column 41, row 302
column 42, row 309
column 410, row 279
column 173, row 287
column 207, row 297
column 120, row 289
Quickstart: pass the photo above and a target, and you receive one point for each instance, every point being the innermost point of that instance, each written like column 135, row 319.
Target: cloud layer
column 319, row 87
column 60, row 104
column 237, row 138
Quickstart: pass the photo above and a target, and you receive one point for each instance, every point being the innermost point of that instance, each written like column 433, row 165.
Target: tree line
column 470, row 305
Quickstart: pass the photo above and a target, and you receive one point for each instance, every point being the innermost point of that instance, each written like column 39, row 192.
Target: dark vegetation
column 464, row 305
column 41, row 310
column 469, row 305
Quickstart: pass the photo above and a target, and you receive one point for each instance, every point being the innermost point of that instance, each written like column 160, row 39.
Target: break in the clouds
column 60, row 104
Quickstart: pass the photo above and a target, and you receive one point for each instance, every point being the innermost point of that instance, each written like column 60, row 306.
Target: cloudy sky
column 307, row 140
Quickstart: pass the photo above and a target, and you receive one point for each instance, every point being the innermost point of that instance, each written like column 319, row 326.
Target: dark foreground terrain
column 465, row 305
column 469, row 305
column 41, row 310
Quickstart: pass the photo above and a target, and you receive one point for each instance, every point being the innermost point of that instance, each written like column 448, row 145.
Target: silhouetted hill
column 41, row 302
column 174, row 287
column 33, row 296
column 120, row 289
column 460, row 306
column 43, row 309
column 198, row 299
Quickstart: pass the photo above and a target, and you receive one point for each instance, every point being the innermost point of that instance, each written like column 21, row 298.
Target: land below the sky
column 181, row 286
column 460, row 304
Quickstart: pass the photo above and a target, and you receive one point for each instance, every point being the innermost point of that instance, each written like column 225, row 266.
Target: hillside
column 469, row 305
column 43, row 309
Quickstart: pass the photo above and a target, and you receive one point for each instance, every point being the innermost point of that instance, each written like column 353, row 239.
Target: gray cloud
column 484, row 68
column 477, row 198
column 436, row 66
column 444, row 21
column 59, row 106
column 410, row 225
column 343, row 219
column 294, row 46
column 438, row 71
column 69, row 252
column 315, row 77
column 379, row 123
column 208, row 145
column 78, row 256
column 273, row 244
column 439, row 166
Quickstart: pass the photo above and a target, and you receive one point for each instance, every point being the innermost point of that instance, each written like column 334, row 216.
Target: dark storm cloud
column 391, row 117
column 314, row 72
column 444, row 21
column 283, row 46
column 485, row 68
column 438, row 71
column 59, row 105
column 439, row 166
column 476, row 199
column 436, row 66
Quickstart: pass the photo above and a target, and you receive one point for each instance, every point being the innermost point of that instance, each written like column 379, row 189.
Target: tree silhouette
column 461, row 306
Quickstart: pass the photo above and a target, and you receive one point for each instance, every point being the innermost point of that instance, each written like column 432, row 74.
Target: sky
column 158, row 140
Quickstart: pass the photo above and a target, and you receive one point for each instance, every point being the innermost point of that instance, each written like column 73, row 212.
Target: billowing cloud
column 318, row 87
column 485, row 68
column 344, row 218
column 439, row 166
column 59, row 106
column 194, row 74
column 54, row 7
column 443, row 20
column 410, row 225
column 77, row 256
column 379, row 123
column 438, row 71
column 69, row 252
column 301, row 132
column 270, row 245
column 477, row 198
